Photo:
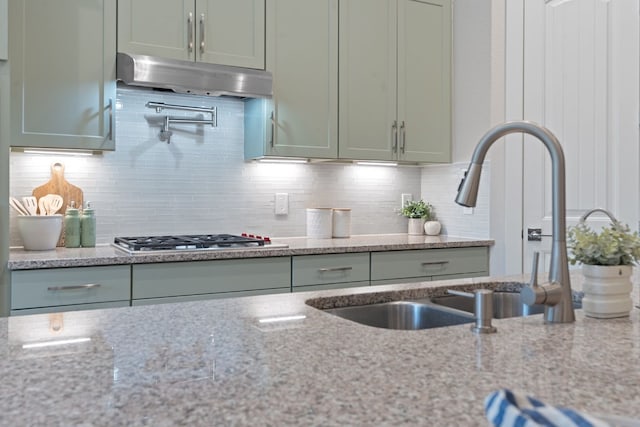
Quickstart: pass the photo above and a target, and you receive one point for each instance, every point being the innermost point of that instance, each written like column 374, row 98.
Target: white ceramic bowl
column 39, row 232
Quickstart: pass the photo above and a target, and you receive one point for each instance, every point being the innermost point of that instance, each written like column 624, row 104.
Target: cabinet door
column 424, row 80
column 164, row 28
column 368, row 79
column 302, row 54
column 62, row 84
column 230, row 32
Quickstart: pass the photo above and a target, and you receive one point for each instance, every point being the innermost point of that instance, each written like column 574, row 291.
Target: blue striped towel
column 505, row 408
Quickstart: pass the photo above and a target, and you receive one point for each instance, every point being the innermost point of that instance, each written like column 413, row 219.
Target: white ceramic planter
column 416, row 227
column 432, row 228
column 607, row 291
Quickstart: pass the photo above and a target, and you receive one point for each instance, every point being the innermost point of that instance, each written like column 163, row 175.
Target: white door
column 581, row 82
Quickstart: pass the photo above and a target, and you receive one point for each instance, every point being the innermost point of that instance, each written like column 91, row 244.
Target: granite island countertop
column 218, row 362
column 19, row 259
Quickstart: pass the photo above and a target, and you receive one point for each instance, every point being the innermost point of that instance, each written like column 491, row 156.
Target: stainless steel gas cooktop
column 199, row 242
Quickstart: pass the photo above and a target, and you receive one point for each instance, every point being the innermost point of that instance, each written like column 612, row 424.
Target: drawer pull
column 326, row 270
column 74, row 287
column 435, row 263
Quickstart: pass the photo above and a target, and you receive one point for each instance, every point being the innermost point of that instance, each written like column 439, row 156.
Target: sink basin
column 406, row 315
column 505, row 304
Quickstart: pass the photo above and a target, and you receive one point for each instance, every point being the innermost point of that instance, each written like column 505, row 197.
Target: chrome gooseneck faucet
column 555, row 295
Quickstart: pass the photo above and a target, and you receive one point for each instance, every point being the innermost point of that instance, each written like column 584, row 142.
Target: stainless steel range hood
column 193, row 77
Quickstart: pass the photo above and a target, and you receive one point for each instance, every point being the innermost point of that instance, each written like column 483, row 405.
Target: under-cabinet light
column 365, row 163
column 55, row 343
column 283, row 160
column 57, row 152
column 282, row 319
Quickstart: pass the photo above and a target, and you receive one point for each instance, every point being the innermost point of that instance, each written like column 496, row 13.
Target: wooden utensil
column 42, row 205
column 30, row 203
column 15, row 204
column 58, row 185
column 53, row 203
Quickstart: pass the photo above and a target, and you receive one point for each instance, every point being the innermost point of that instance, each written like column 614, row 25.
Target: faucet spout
column 556, row 311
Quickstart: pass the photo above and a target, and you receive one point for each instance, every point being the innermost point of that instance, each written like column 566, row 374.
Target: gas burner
column 191, row 242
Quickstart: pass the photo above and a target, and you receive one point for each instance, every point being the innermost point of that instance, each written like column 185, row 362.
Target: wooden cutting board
column 58, row 185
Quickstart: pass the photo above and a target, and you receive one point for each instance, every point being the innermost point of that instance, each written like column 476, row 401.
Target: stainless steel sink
column 505, row 304
column 406, row 315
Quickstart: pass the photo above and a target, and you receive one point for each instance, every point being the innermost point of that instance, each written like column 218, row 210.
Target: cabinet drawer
column 207, row 277
column 428, row 262
column 336, row 268
column 66, row 286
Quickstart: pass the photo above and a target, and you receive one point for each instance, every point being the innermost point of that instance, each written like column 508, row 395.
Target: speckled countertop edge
column 20, row 259
column 215, row 363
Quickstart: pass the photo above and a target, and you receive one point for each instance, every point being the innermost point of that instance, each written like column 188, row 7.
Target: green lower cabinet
column 331, row 271
column 198, row 279
column 74, row 307
column 66, row 289
column 190, row 298
column 425, row 264
column 342, row 285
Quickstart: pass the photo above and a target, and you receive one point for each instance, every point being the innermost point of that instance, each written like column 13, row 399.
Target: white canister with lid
column 319, row 223
column 341, row 222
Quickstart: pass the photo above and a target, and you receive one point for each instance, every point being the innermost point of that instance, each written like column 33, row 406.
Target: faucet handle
column 534, row 270
column 549, row 293
column 532, row 293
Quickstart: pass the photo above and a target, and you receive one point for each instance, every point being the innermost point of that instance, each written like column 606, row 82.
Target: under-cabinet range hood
column 198, row 78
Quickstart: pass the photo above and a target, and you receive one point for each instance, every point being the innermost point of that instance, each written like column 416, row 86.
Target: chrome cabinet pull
column 435, row 263
column 74, row 287
column 394, row 137
column 329, row 269
column 403, row 137
column 110, row 108
column 273, row 128
column 202, row 33
column 190, row 32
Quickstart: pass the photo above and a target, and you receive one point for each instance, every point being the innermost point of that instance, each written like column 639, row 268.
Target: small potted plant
column 419, row 212
column 607, row 259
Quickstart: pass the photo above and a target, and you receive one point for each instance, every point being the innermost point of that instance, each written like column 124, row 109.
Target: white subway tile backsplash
column 200, row 183
column 439, row 185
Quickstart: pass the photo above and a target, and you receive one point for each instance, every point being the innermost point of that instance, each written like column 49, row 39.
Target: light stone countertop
column 213, row 363
column 19, row 259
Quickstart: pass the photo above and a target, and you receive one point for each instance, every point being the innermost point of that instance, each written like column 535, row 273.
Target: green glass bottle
column 88, row 227
column 72, row 227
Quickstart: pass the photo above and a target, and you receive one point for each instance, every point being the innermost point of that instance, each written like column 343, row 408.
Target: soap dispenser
column 88, row 227
column 72, row 227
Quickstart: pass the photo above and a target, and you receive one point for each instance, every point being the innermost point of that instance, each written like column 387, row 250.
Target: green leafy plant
column 419, row 209
column 614, row 245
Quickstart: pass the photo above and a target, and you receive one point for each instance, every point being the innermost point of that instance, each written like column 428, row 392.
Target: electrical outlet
column 282, row 204
column 406, row 197
column 467, row 211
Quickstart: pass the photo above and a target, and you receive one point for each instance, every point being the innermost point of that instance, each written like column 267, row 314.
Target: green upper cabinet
column 4, row 31
column 301, row 120
column 395, row 80
column 63, row 73
column 228, row 32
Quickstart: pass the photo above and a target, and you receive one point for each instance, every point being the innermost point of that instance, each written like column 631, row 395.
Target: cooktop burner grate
column 200, row 241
